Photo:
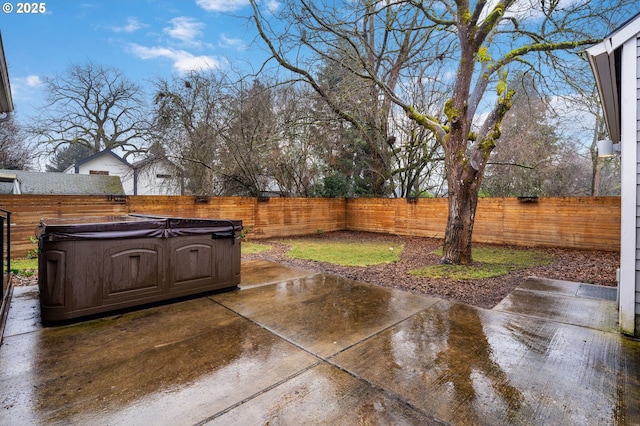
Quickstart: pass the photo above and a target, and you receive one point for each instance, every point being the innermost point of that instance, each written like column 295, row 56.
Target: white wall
column 155, row 179
column 111, row 165
column 630, row 225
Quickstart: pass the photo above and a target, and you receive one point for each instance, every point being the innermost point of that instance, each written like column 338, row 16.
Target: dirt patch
column 587, row 266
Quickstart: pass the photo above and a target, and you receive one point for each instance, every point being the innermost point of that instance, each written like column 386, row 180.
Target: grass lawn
column 253, row 248
column 347, row 253
column 23, row 267
column 488, row 262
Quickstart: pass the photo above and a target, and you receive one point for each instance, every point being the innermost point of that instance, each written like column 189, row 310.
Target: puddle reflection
column 109, row 364
column 468, row 366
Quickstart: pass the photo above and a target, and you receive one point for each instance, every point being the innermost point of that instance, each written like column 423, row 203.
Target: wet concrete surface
column 563, row 301
column 308, row 348
column 260, row 272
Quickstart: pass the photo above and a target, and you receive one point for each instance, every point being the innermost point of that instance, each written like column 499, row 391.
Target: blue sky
column 146, row 39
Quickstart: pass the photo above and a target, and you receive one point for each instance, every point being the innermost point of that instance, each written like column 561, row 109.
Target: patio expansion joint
column 574, row 295
column 257, row 394
column 277, row 281
column 392, row 395
column 328, row 360
column 555, row 320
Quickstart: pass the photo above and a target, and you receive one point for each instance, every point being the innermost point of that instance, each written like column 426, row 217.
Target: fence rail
column 591, row 223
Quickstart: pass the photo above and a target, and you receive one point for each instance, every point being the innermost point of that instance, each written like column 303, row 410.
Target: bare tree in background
column 94, row 106
column 584, row 125
column 418, row 158
column 297, row 156
column 482, row 42
column 250, row 139
column 348, row 43
column 230, row 137
column 190, row 113
column 14, row 154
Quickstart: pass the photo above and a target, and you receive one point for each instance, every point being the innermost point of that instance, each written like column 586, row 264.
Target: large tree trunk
column 462, row 210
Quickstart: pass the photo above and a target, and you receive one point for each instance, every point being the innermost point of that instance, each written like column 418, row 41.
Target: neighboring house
column 156, row 177
column 616, row 66
column 148, row 177
column 23, row 182
column 106, row 163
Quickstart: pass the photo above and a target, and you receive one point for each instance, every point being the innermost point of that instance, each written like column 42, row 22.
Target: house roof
column 107, row 152
column 604, row 59
column 6, row 101
column 24, row 182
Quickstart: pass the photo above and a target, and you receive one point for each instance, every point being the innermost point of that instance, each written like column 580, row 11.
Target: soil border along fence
column 591, row 223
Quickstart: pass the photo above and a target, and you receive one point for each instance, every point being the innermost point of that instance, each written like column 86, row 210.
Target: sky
column 146, row 39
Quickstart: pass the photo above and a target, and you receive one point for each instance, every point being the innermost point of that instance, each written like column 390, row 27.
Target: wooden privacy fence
column 591, row 223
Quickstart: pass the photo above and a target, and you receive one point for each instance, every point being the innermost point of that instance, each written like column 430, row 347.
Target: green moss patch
column 488, row 262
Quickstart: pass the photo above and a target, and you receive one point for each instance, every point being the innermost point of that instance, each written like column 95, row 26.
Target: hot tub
column 91, row 265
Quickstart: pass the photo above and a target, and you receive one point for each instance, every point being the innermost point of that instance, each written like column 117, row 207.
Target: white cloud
column 185, row 29
column 25, row 88
column 32, row 80
column 231, row 43
column 273, row 6
column 222, row 5
column 131, row 26
column 183, row 61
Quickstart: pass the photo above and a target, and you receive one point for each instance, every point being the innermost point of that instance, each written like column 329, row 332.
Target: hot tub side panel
column 200, row 263
column 68, row 286
column 84, row 277
column 132, row 272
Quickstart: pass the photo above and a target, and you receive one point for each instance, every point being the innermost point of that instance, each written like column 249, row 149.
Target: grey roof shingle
column 60, row 183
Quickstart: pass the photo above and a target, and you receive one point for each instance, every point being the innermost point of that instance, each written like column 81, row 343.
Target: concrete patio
column 296, row 347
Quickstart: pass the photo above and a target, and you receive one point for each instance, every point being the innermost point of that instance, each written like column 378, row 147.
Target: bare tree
column 250, row 139
column 297, row 157
column 230, row 137
column 584, row 125
column 94, row 106
column 191, row 111
column 481, row 42
column 418, row 168
column 359, row 53
column 14, row 154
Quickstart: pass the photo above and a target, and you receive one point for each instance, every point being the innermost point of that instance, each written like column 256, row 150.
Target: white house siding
column 154, row 179
column 110, row 165
column 637, row 122
column 630, row 200
column 630, row 126
column 616, row 66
